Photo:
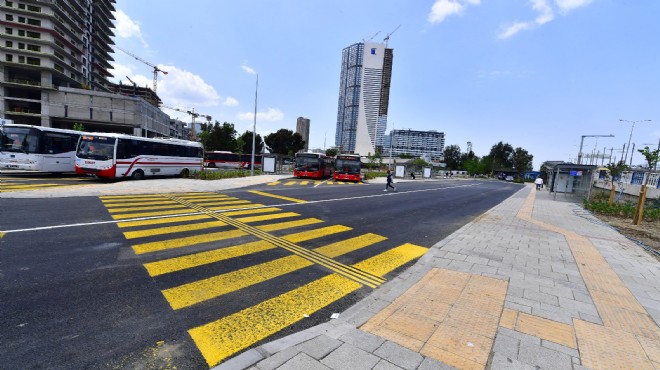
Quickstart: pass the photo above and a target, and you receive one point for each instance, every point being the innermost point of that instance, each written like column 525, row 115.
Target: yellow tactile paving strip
column 448, row 315
column 629, row 337
column 453, row 316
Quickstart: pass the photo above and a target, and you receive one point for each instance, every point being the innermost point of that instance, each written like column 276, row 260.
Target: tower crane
column 134, row 85
column 156, row 69
column 192, row 114
column 387, row 38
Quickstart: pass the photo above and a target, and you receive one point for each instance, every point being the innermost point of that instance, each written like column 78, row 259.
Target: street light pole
column 254, row 124
column 631, row 131
column 579, row 160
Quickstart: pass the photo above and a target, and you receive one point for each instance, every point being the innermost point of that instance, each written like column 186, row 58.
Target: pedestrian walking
column 389, row 181
column 539, row 183
column 412, row 174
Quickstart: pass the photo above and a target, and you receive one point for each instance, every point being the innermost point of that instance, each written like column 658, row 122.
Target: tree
column 651, row 156
column 218, row 137
column 78, row 127
column 502, row 154
column 452, row 155
column 284, row 142
column 244, row 143
column 521, row 160
column 331, row 152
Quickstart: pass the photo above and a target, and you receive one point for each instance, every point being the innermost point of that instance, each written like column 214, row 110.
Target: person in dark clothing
column 389, row 181
column 412, row 174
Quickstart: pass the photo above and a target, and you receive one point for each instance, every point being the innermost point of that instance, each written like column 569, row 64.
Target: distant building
column 302, row 127
column 416, row 143
column 364, row 92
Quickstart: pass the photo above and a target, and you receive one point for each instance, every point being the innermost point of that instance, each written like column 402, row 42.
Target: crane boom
column 156, row 69
column 387, row 38
column 194, row 115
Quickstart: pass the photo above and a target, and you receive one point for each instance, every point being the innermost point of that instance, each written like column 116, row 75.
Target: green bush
column 624, row 209
column 373, row 175
column 218, row 175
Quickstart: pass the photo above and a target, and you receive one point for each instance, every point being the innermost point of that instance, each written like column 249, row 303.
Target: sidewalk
column 533, row 283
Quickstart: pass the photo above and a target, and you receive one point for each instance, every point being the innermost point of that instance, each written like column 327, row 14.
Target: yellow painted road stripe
column 348, row 271
column 180, row 211
column 172, row 229
column 222, row 338
column 290, row 183
column 304, row 183
column 160, row 221
column 231, row 205
column 268, row 217
column 217, row 255
column 206, row 238
column 140, row 203
column 227, row 336
column 387, row 261
column 132, row 197
column 251, row 211
column 143, row 208
column 274, row 183
column 202, row 290
column 277, row 196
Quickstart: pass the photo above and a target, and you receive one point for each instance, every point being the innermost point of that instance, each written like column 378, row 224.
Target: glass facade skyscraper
column 364, row 92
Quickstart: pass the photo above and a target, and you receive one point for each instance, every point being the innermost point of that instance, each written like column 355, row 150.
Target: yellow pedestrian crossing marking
column 277, row 196
column 206, row 218
column 202, row 290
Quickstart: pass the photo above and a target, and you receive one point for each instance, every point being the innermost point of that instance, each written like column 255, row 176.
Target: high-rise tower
column 302, row 127
column 364, row 93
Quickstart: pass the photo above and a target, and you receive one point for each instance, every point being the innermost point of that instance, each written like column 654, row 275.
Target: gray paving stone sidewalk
column 543, row 277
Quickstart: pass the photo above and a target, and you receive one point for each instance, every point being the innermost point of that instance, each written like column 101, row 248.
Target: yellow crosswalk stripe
column 131, row 198
column 224, row 337
column 130, row 205
column 268, row 217
column 160, row 221
column 277, row 196
column 290, row 183
column 202, row 290
column 143, row 208
column 348, row 271
column 172, row 229
column 203, row 258
column 274, row 183
column 124, row 216
column 212, row 237
column 251, row 211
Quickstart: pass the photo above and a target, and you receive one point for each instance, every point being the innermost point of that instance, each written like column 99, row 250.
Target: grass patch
column 219, row 175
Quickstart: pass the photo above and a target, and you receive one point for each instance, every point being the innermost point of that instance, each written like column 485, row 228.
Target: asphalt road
column 169, row 282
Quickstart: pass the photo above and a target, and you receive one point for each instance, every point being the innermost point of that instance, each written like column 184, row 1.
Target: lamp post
column 254, row 124
column 631, row 131
column 579, row 159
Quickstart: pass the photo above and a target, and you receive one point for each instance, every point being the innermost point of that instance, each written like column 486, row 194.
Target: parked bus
column 37, row 148
column 224, row 159
column 121, row 156
column 347, row 168
column 312, row 165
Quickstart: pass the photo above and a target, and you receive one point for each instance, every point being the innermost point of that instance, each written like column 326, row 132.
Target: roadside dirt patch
column 647, row 233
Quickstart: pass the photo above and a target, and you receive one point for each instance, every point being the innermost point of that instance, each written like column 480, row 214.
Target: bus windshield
column 307, row 163
column 347, row 165
column 19, row 139
column 100, row 148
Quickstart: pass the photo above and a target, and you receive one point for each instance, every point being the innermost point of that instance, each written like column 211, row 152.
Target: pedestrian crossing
column 174, row 234
column 9, row 184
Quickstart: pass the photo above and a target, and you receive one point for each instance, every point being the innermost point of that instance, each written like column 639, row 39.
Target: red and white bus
column 224, row 159
column 347, row 168
column 122, row 156
column 312, row 165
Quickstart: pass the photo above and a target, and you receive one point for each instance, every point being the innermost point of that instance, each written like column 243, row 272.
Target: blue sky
column 536, row 74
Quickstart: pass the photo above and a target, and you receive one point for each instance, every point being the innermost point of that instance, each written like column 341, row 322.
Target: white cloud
column 568, row 5
column 248, row 70
column 230, row 102
column 120, row 71
column 127, row 28
column 545, row 11
column 181, row 88
column 273, row 114
column 442, row 9
column 512, row 29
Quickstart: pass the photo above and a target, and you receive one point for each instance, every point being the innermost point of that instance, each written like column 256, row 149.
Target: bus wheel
column 138, row 175
column 185, row 172
column 211, row 165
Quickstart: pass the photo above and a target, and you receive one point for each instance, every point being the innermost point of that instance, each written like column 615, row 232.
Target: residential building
column 55, row 67
column 364, row 91
column 302, row 127
column 416, row 143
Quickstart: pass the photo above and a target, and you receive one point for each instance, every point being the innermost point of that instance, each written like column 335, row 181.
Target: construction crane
column 387, row 38
column 134, row 85
column 371, row 38
column 194, row 115
column 156, row 69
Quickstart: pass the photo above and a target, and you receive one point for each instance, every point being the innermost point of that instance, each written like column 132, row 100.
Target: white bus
column 122, row 156
column 37, row 148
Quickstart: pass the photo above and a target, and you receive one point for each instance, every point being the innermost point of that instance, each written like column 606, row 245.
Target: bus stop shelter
column 570, row 180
